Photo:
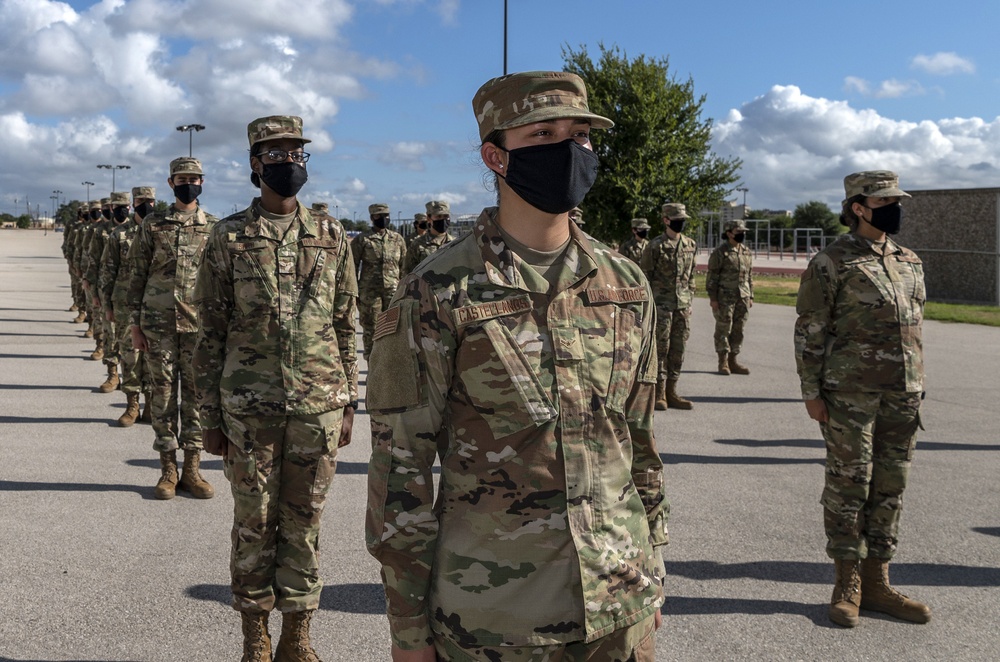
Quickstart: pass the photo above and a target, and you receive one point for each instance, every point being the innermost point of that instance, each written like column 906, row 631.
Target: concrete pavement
column 94, row 568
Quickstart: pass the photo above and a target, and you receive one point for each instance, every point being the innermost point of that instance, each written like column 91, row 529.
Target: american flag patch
column 386, row 323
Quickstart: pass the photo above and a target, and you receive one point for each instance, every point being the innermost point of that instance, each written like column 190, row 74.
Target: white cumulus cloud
column 943, row 64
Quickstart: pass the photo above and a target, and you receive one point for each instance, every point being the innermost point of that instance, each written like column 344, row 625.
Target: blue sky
column 803, row 92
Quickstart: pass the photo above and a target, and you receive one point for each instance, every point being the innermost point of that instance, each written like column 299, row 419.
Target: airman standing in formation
column 729, row 285
column 380, row 260
column 277, row 384
column 164, row 261
column 633, row 246
column 668, row 262
column 94, row 317
column 113, row 285
column 420, row 226
column 76, row 288
column 121, row 209
column 859, row 355
column 439, row 217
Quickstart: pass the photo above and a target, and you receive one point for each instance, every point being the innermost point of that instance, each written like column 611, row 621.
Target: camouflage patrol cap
column 105, row 202
column 437, row 208
column 640, row 224
column 532, row 96
column 730, row 226
column 873, row 184
column 673, row 210
column 143, row 192
column 95, row 204
column 378, row 208
column 576, row 215
column 320, row 206
column 419, row 217
column 119, row 198
column 275, row 127
column 185, row 165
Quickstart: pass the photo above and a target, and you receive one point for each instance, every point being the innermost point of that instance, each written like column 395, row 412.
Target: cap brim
column 282, row 136
column 894, row 192
column 557, row 113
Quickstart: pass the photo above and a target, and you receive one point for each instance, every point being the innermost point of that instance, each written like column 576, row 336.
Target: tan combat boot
column 89, row 333
column 736, row 368
column 673, row 400
column 191, row 480
column 661, row 396
column 846, row 596
column 166, row 487
column 80, row 318
column 97, row 354
column 256, row 638
column 128, row 419
column 878, row 595
column 73, row 308
column 294, row 644
column 147, row 409
column 723, row 363
column 111, row 383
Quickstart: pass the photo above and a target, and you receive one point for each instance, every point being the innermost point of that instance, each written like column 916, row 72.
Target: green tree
column 24, row 221
column 658, row 150
column 816, row 214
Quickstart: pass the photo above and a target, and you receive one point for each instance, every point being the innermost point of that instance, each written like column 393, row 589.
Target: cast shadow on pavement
column 987, row 530
column 15, row 659
column 684, row 458
column 818, row 443
column 684, row 606
column 48, row 356
column 154, row 463
column 805, row 572
column 347, row 598
column 734, row 400
column 44, row 387
column 68, row 334
column 35, row 486
column 43, row 419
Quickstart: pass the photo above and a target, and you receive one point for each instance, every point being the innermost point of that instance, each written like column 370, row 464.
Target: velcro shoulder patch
column 386, row 323
column 616, row 294
column 478, row 312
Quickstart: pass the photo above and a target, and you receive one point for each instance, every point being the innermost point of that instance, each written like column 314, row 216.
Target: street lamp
column 112, row 168
column 337, row 208
column 191, row 128
column 55, row 201
column 744, row 189
column 88, row 185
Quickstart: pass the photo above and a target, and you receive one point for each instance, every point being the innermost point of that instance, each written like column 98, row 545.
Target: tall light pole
column 191, row 128
column 504, row 37
column 113, row 168
column 744, row 189
column 55, row 201
column 88, row 185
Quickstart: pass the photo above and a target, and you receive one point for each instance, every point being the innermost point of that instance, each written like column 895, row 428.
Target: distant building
column 771, row 213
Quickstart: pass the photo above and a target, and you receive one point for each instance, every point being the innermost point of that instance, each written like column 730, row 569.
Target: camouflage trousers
column 110, row 337
column 76, row 287
column 673, row 328
column 870, row 440
column 171, row 373
column 131, row 360
column 370, row 304
column 636, row 643
column 280, row 472
column 729, row 322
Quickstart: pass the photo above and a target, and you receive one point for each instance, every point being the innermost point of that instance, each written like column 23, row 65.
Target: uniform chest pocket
column 911, row 268
column 164, row 249
column 612, row 348
column 501, row 380
column 253, row 286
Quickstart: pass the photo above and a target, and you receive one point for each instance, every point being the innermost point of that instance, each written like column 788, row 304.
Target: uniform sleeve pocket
column 394, row 373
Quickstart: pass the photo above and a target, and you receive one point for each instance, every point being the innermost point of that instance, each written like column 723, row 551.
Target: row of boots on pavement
column 865, row 584
column 190, row 479
column 293, row 646
column 666, row 389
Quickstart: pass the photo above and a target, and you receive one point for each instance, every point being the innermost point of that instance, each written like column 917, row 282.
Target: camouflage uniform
column 539, row 402
column 419, row 220
column 164, row 260
column 85, row 258
column 276, row 364
column 76, row 287
column 379, row 259
column 730, row 282
column 633, row 246
column 428, row 243
column 93, row 260
column 669, row 266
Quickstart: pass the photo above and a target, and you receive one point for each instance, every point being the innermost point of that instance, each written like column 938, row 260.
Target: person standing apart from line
column 379, row 261
column 523, row 356
column 439, row 215
column 729, row 284
column 277, row 384
column 668, row 263
column 164, row 260
column 633, row 246
column 859, row 355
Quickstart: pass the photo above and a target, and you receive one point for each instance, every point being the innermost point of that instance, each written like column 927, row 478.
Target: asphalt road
column 93, row 568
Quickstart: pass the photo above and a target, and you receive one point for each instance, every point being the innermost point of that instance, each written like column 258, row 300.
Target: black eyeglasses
column 282, row 155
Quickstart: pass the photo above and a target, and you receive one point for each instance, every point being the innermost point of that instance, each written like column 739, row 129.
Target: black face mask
column 187, row 193
column 106, row 213
column 120, row 214
column 738, row 238
column 441, row 225
column 888, row 219
column 379, row 222
column 96, row 215
column 554, row 177
column 422, row 226
column 143, row 209
column 677, row 224
column 642, row 234
column 285, row 179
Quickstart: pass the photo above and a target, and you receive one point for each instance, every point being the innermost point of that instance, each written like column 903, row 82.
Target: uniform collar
column 308, row 226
